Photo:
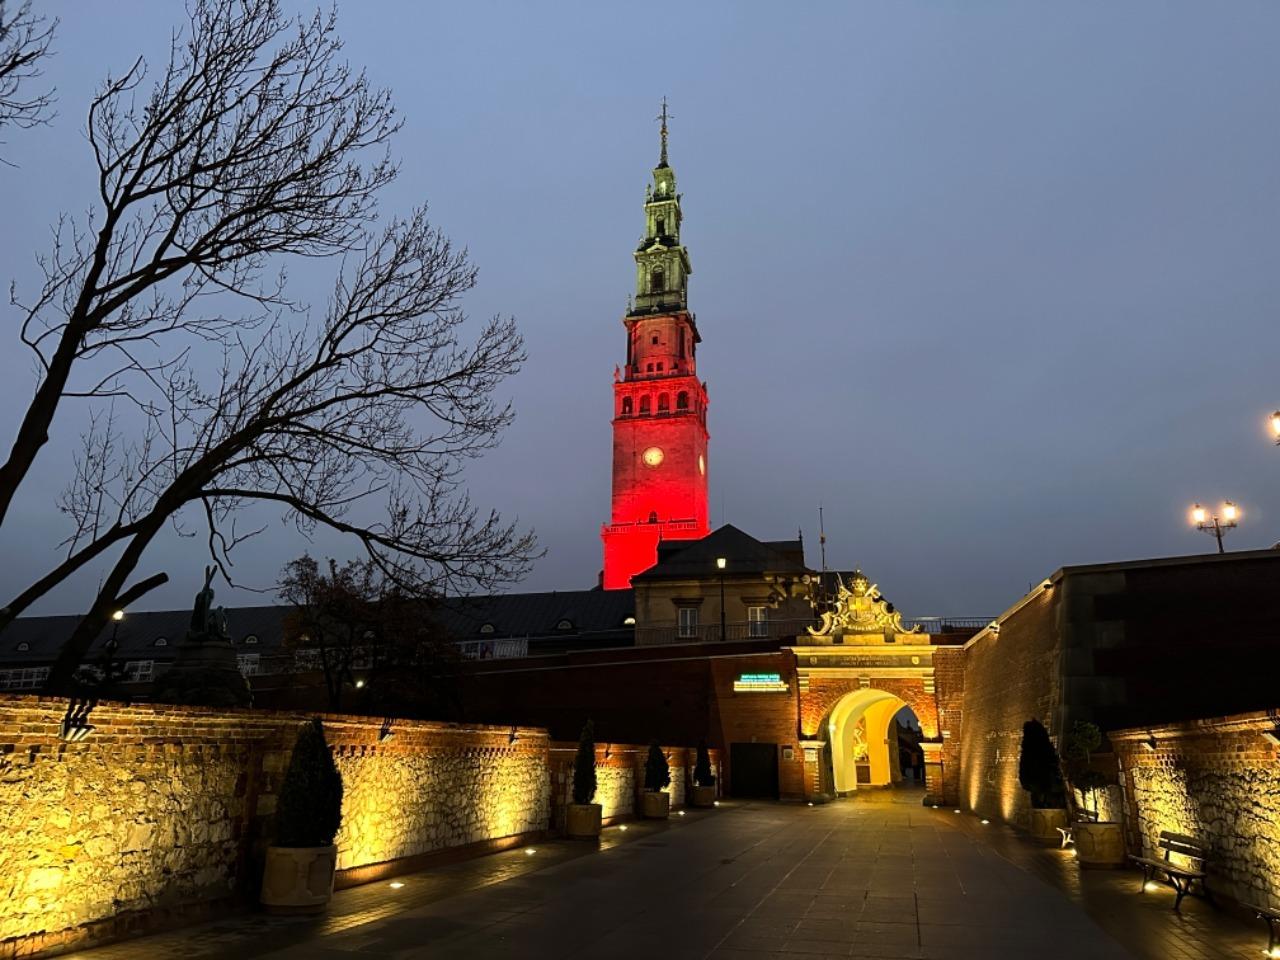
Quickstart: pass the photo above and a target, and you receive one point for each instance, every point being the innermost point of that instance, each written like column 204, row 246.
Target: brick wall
column 1009, row 677
column 948, row 678
column 163, row 811
column 1218, row 780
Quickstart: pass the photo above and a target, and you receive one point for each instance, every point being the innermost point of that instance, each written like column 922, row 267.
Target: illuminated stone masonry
column 1217, row 780
column 163, row 811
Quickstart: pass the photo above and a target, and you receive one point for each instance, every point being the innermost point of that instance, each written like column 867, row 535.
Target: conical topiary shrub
column 657, row 774
column 1039, row 770
column 584, row 766
column 309, row 810
column 704, row 781
column 702, row 774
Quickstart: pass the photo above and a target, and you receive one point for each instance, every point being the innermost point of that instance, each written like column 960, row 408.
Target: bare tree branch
column 25, row 39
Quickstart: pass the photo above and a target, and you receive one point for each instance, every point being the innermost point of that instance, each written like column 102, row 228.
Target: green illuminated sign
column 759, row 683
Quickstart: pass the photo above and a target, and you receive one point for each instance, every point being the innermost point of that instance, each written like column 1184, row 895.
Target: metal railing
column 785, row 629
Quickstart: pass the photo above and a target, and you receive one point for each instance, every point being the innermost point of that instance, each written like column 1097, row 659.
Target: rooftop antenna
column 822, row 544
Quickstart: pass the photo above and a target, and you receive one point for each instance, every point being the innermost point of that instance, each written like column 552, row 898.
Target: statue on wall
column 860, row 612
column 205, row 672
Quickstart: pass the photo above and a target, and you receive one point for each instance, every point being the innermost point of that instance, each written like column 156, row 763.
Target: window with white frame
column 23, row 678
column 757, row 621
column 139, row 671
column 687, row 625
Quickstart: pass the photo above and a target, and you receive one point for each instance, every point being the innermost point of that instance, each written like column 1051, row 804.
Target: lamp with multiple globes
column 1216, row 524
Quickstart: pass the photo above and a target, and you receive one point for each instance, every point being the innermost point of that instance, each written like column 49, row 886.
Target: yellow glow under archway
column 879, row 708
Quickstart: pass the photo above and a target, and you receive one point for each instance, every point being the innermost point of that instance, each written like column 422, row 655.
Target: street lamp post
column 1216, row 525
column 720, row 565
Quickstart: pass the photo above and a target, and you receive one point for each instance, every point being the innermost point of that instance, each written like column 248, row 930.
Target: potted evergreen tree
column 582, row 820
column 655, row 801
column 1099, row 843
column 1040, row 774
column 298, row 876
column 704, row 781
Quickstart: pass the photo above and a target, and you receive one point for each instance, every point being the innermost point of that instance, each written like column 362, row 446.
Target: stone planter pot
column 1045, row 823
column 1099, row 844
column 655, row 806
column 704, row 796
column 298, row 879
column 582, row 821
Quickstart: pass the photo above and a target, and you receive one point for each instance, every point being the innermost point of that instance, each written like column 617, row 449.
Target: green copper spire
column 662, row 263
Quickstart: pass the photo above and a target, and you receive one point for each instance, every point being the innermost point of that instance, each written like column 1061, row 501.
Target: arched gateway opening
column 862, row 733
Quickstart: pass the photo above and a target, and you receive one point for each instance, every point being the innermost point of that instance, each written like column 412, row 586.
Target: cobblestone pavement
column 745, row 882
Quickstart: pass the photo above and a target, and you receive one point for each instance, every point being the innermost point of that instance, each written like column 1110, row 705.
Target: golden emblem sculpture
column 860, row 611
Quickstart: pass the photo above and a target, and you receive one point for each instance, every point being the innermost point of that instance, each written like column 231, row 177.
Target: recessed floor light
column 529, row 851
column 396, row 884
column 623, row 827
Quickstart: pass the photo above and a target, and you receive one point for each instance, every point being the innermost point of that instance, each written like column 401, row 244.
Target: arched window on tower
column 664, row 403
column 626, row 406
column 657, row 280
column 682, row 343
column 662, row 227
column 682, row 400
column 644, row 404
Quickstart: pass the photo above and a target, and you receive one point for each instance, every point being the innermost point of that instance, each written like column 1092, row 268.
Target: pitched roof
column 537, row 614
column 743, row 554
column 136, row 634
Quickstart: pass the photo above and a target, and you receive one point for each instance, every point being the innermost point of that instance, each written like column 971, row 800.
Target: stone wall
column 162, row 811
column 1218, row 780
column 620, row 777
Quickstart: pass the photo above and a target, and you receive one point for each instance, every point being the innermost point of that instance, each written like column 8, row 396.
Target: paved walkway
column 745, row 882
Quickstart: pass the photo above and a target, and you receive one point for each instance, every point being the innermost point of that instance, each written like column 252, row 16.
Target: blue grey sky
column 996, row 283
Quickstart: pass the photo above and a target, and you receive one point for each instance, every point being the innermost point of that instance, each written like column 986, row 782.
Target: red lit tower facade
column 659, row 404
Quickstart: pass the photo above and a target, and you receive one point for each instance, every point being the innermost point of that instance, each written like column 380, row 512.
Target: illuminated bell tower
column 659, row 405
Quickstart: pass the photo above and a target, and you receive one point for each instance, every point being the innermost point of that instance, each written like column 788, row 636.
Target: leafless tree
column 253, row 144
column 367, row 636
column 25, row 38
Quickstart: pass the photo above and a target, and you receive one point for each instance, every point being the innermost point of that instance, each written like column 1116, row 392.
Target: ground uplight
column 396, row 884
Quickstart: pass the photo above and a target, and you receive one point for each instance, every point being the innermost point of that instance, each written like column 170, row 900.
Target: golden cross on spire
column 664, row 116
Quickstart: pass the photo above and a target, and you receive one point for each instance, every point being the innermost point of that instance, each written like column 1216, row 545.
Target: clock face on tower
column 653, row 456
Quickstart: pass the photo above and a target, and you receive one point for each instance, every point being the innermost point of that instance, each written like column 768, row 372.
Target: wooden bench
column 1272, row 916
column 1181, row 877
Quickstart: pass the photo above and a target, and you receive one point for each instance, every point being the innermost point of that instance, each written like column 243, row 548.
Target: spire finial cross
column 663, row 117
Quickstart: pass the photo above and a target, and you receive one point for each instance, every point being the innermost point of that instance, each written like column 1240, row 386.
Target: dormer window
column 486, row 628
column 23, row 647
column 164, row 642
column 565, row 625
column 251, row 638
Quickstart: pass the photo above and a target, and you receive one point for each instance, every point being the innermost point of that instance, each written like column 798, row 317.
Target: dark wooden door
column 753, row 770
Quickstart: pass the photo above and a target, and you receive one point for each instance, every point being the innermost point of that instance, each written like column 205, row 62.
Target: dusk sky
column 995, row 283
